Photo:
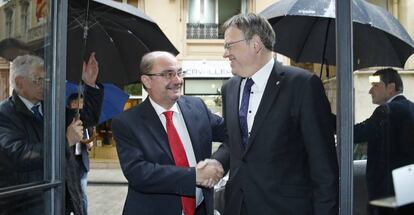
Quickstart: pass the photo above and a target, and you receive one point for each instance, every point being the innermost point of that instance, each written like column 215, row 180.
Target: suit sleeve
column 93, row 99
column 318, row 133
column 223, row 152
column 145, row 176
column 372, row 127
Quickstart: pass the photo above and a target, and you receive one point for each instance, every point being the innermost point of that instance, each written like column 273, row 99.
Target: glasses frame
column 168, row 74
column 36, row 80
column 227, row 46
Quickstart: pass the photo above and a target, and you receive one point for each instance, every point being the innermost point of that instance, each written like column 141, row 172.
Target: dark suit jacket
column 390, row 136
column 155, row 183
column 290, row 164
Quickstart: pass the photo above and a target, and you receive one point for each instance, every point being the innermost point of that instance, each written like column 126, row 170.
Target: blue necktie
column 36, row 113
column 244, row 106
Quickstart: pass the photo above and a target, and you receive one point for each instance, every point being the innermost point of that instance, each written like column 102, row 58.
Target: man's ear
column 257, row 43
column 19, row 81
column 391, row 88
column 146, row 81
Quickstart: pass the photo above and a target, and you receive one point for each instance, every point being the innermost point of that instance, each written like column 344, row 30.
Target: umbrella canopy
column 119, row 34
column 305, row 32
column 113, row 101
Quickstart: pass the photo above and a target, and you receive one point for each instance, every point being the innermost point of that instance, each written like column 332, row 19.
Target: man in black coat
column 21, row 135
column 390, row 136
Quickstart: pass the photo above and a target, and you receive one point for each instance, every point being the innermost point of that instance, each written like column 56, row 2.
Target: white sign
column 207, row 69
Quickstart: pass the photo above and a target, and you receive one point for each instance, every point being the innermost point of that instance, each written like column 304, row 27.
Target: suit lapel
column 190, row 119
column 270, row 94
column 152, row 121
column 22, row 108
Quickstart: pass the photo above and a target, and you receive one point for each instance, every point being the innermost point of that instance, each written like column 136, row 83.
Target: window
column 381, row 3
column 206, row 16
column 9, row 22
column 24, row 18
column 32, row 149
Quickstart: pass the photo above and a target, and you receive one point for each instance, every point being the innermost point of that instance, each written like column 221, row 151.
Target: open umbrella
column 305, row 32
column 120, row 35
column 114, row 100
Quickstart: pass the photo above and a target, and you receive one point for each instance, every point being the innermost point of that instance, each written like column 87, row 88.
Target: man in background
column 21, row 135
column 389, row 132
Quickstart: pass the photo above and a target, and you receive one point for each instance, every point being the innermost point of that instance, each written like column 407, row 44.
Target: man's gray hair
column 252, row 24
column 22, row 65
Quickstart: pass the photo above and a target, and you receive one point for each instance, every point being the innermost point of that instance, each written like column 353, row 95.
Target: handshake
column 208, row 173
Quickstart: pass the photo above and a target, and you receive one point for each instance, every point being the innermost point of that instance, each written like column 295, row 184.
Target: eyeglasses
column 168, row 74
column 37, row 80
column 227, row 46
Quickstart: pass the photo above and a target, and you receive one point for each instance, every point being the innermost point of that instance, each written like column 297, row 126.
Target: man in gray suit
column 281, row 150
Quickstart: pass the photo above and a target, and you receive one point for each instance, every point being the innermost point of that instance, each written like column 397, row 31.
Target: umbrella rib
column 128, row 31
column 305, row 40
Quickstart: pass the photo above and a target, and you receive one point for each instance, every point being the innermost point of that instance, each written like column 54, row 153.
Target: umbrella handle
column 77, row 114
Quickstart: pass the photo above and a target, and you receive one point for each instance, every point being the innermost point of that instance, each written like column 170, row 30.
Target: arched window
column 24, row 18
column 9, row 22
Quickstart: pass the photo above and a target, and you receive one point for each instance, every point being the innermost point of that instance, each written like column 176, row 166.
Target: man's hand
column 74, row 132
column 208, row 173
column 90, row 71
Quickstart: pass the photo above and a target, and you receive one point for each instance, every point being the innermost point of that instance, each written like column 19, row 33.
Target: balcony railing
column 203, row 31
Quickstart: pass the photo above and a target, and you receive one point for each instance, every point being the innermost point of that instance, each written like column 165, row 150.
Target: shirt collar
column 262, row 75
column 160, row 110
column 29, row 104
column 392, row 98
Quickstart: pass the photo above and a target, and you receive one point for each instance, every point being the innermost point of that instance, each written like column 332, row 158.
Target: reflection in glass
column 23, row 204
column 21, row 134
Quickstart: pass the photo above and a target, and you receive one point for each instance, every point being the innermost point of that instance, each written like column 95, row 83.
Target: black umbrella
column 305, row 32
column 119, row 34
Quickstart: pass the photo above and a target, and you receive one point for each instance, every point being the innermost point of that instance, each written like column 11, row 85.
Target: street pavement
column 107, row 189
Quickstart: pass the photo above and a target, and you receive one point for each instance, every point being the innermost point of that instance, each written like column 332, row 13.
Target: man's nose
column 226, row 53
column 176, row 78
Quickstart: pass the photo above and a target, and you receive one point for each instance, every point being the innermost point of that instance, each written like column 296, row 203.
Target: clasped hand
column 208, row 173
column 74, row 132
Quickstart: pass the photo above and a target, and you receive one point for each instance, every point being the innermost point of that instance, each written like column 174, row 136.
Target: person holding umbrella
column 81, row 149
column 21, row 135
column 280, row 149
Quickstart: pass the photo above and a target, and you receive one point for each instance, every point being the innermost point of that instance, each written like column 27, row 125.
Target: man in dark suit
column 281, row 150
column 160, row 141
column 389, row 133
column 21, row 135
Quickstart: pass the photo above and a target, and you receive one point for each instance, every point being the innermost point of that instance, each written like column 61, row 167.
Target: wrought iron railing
column 203, row 31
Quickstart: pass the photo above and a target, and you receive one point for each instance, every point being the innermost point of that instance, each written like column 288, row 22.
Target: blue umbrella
column 113, row 102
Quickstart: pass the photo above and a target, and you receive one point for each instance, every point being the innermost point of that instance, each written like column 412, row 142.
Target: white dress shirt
column 260, row 80
column 181, row 127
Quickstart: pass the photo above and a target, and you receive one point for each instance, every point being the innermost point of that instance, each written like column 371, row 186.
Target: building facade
column 193, row 26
